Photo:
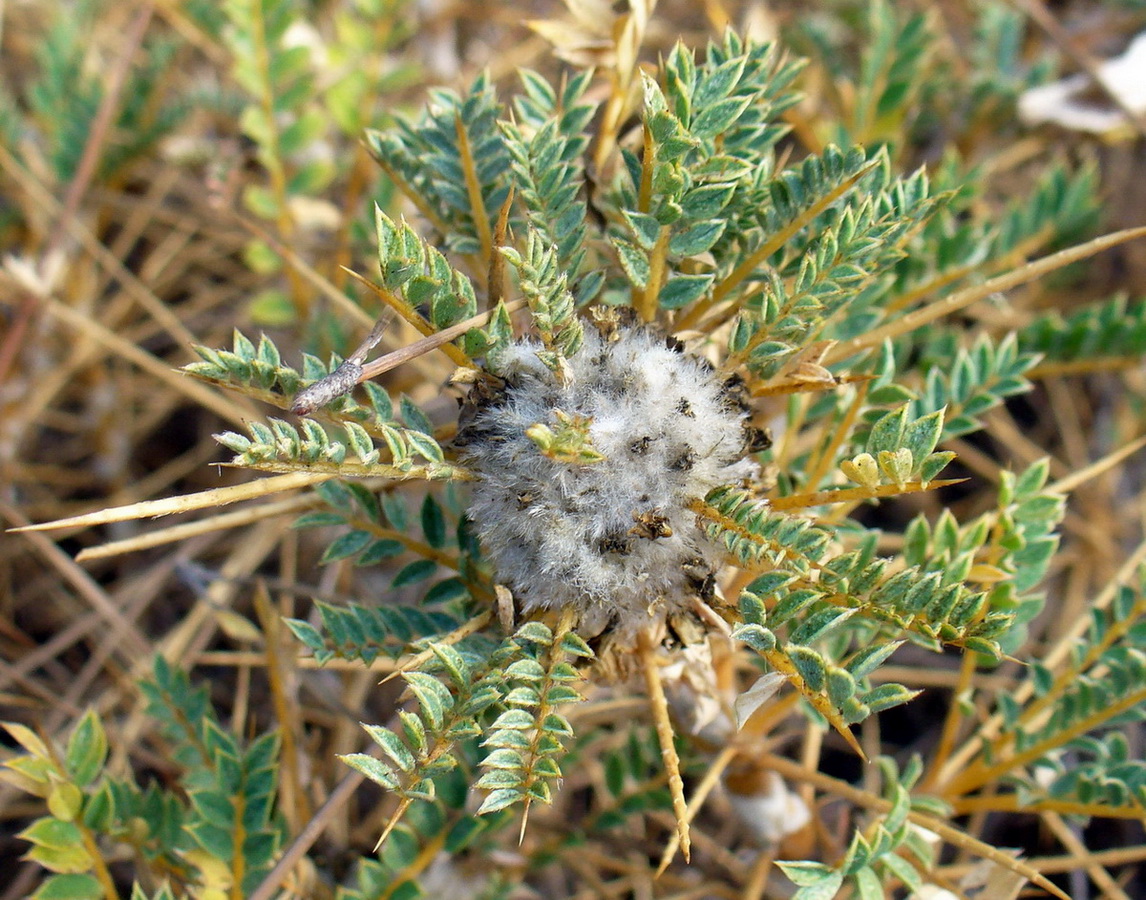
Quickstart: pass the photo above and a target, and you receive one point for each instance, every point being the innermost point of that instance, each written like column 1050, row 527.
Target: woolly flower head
column 585, row 474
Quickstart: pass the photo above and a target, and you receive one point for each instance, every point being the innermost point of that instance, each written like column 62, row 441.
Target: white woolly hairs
column 613, row 539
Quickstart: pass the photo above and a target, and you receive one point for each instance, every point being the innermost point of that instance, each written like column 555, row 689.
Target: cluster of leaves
column 895, row 64
column 839, row 693
column 526, row 740
column 1094, row 771
column 444, row 827
column 901, row 445
column 422, row 275
column 973, row 381
column 63, row 840
column 841, row 615
column 550, row 301
column 376, row 527
column 455, row 161
column 58, row 101
column 366, row 632
column 1112, row 330
column 547, row 151
column 214, row 830
column 959, row 385
column 280, row 119
column 900, row 77
column 296, row 91
column 1068, row 735
column 1008, row 549
column 703, row 132
column 892, row 848
column 524, row 681
column 813, row 274
column 230, row 786
column 279, row 445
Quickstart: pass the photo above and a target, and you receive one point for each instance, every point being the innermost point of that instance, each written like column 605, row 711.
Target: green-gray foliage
column 1113, row 329
column 216, row 816
column 279, row 445
column 52, row 113
column 891, row 848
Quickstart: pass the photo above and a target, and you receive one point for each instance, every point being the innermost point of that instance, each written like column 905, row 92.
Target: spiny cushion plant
column 621, row 489
column 680, row 370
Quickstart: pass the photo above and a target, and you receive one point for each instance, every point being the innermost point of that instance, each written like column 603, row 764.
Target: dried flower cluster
column 586, row 474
